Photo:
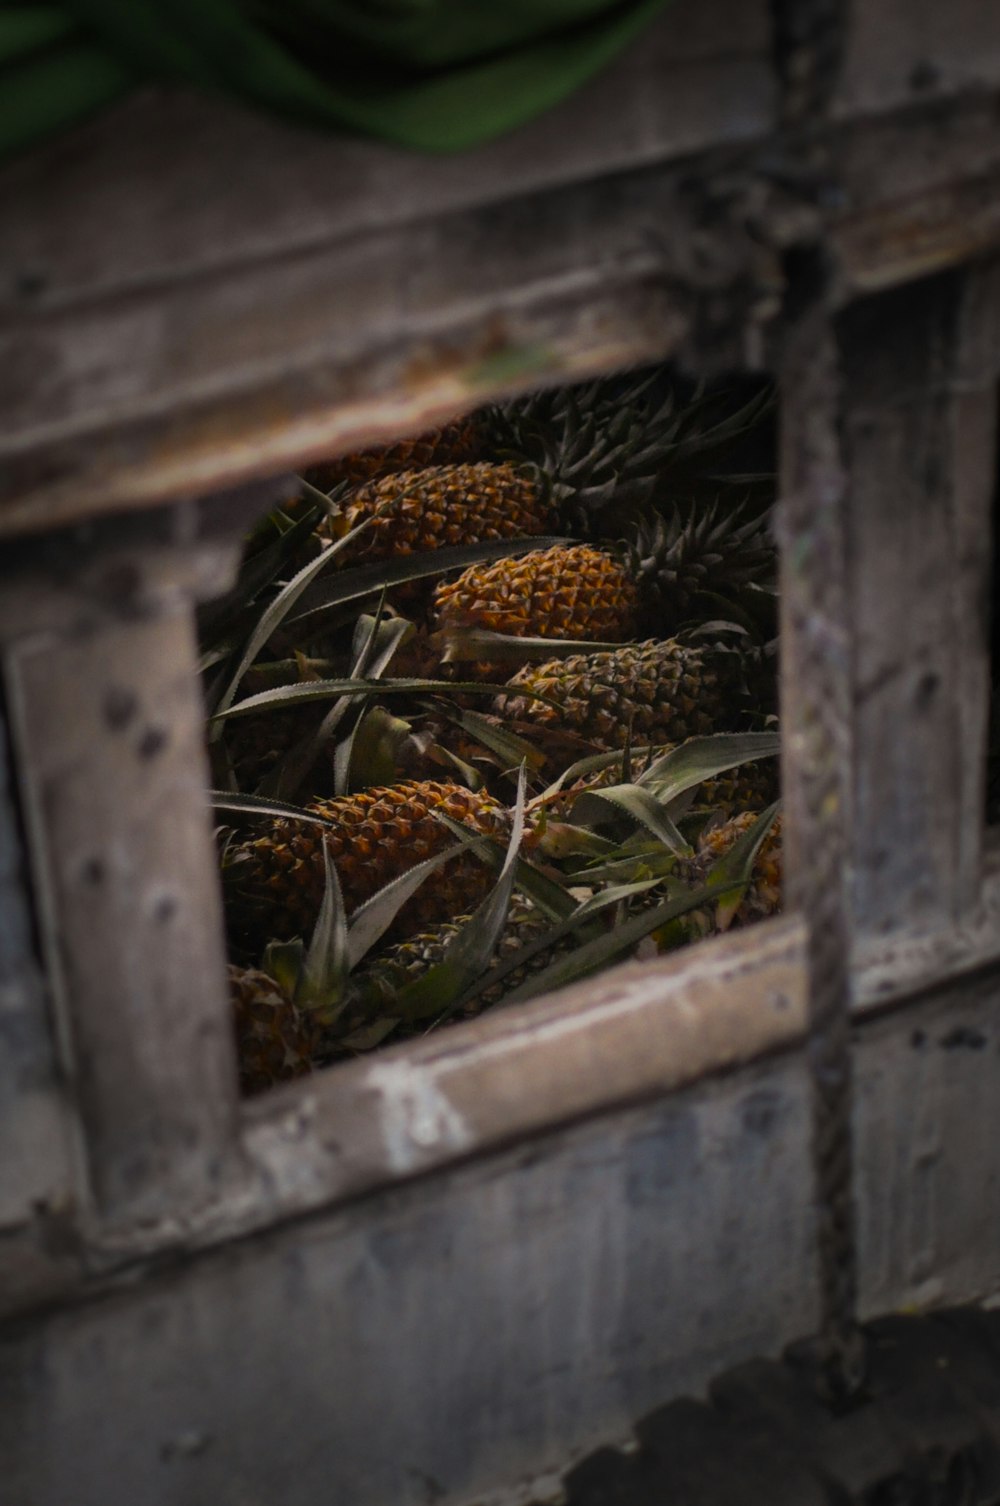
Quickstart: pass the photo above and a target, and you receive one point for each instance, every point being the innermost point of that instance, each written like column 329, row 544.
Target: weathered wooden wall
column 434, row 1275
column 441, row 1341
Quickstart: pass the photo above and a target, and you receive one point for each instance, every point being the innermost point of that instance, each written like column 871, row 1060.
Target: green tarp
column 435, row 75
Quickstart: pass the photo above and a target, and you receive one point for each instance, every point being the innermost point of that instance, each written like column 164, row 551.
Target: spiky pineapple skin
column 409, row 960
column 764, row 891
column 417, row 511
column 567, row 591
column 451, row 444
column 763, row 896
column 258, row 744
column 659, row 691
column 373, row 837
column 275, row 1041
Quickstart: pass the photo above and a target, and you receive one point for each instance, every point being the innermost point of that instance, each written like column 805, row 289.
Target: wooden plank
column 173, row 185
column 454, row 1336
column 920, row 477
column 108, row 728
column 491, row 1322
column 36, row 1170
column 900, row 51
column 516, row 1073
column 250, row 370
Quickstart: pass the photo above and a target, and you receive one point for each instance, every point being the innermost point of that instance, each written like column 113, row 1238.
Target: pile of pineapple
column 492, row 708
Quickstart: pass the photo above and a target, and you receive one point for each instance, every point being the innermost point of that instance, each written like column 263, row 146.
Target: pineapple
column 751, row 786
column 667, row 572
column 422, row 510
column 453, row 443
column 763, row 895
column 561, row 458
column 572, row 591
column 657, row 691
column 275, row 1040
column 277, row 880
column 410, row 959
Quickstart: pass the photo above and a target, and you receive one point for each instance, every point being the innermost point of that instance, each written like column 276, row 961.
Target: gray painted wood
column 35, row 1168
column 100, row 666
column 485, row 1325
column 444, row 1340
column 114, row 776
column 902, row 51
column 919, row 460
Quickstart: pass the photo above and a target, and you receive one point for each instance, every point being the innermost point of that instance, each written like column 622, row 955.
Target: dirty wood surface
column 100, row 670
column 192, row 294
column 494, row 1322
column 919, row 457
column 33, row 1124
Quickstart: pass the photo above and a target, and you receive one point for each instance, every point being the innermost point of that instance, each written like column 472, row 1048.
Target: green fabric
column 435, row 75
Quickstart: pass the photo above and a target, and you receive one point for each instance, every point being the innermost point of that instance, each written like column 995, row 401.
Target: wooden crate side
column 898, row 51
column 486, row 1325
column 110, row 736
column 920, row 466
column 174, row 186
column 896, row 482
column 100, row 667
column 456, row 1336
column 36, row 1171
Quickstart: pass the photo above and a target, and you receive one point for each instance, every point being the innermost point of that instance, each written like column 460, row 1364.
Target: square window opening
column 493, row 708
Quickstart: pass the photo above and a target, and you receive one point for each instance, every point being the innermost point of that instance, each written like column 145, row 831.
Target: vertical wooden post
column 100, row 666
column 35, row 1127
column 919, row 454
column 910, row 414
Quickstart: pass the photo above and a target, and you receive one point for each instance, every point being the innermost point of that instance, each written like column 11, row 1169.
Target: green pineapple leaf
column 641, row 805
column 322, row 985
column 371, row 920
column 283, row 696
column 279, row 607
column 261, row 805
column 469, row 951
column 513, row 750
column 701, row 758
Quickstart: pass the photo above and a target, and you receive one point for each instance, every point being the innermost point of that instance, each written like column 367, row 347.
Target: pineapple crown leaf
column 593, row 955
column 598, row 442
column 701, row 758
column 685, row 559
column 258, row 571
column 641, row 805
column 494, row 736
column 326, row 964
column 275, row 613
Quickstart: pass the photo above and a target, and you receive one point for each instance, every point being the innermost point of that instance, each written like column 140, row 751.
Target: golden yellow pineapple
column 658, row 691
column 417, row 511
column 275, row 1040
column 568, row 591
column 669, row 572
column 373, row 837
